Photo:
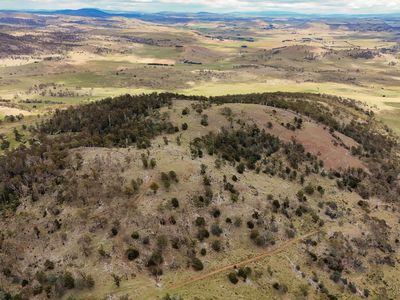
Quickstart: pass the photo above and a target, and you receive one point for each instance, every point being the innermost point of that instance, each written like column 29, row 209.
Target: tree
column 154, row 187
column 200, row 221
column 240, row 168
column 175, row 202
column 153, row 163
column 135, row 235
column 216, row 230
column 197, row 264
column 132, row 254
column 69, row 281
column 233, row 278
column 172, row 175
column 48, row 264
column 204, row 120
column 185, row 126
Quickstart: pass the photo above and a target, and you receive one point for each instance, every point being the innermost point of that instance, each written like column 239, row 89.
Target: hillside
column 166, row 196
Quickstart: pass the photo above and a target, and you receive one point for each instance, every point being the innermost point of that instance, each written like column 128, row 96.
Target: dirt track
column 266, row 253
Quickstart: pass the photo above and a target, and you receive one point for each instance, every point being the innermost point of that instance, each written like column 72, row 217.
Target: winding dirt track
column 266, row 253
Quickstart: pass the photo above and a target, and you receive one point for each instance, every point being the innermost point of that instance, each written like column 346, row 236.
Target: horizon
column 243, row 13
column 303, row 7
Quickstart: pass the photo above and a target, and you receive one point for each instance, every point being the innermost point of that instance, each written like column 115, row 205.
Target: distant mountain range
column 168, row 16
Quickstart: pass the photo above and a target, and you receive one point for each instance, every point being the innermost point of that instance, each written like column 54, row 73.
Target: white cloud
column 308, row 6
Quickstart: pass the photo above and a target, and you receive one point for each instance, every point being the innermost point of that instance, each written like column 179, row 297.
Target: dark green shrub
column 233, row 278
column 197, row 264
column 132, row 254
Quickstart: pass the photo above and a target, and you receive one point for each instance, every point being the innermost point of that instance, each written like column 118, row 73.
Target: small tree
column 69, row 281
column 175, row 202
column 154, row 187
column 204, row 120
column 240, row 168
column 233, row 278
column 153, row 163
column 197, row 264
column 132, row 254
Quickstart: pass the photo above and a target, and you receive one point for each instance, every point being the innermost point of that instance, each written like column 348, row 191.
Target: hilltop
column 166, row 196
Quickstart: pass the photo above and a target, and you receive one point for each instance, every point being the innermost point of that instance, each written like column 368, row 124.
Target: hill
column 165, row 196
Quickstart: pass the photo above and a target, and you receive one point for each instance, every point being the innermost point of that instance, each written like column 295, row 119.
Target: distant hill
column 84, row 12
column 181, row 17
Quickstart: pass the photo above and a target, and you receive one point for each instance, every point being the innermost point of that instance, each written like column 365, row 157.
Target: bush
column 216, row 212
column 202, row 234
column 204, row 120
column 216, row 245
column 309, row 189
column 154, row 187
column 68, row 280
column 135, row 235
column 132, row 254
column 155, row 259
column 233, row 278
column 197, row 264
column 203, row 251
column 240, row 168
column 49, row 265
column 185, row 126
column 216, row 230
column 200, row 221
column 114, row 231
column 244, row 272
column 254, row 234
column 175, row 202
column 185, row 111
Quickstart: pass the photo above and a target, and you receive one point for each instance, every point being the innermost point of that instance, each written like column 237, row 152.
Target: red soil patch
column 332, row 149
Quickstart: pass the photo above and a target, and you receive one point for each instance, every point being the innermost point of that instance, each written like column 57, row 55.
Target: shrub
column 49, row 265
column 309, row 189
column 132, row 254
column 185, row 111
column 244, row 272
column 135, row 235
column 200, row 221
column 204, row 120
column 254, row 234
column 175, row 202
column 250, row 224
column 233, row 278
column 216, row 230
column 155, row 259
column 216, row 212
column 153, row 163
column 154, row 187
column 203, row 251
column 197, row 264
column 172, row 175
column 202, row 234
column 114, row 231
column 240, row 168
column 185, row 126
column 68, row 280
column 216, row 245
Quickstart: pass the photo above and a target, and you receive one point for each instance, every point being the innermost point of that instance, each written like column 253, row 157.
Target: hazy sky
column 304, row 6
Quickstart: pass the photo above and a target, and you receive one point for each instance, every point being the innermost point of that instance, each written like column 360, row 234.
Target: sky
column 218, row 6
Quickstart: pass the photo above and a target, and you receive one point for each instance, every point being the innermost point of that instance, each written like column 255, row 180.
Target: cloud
column 305, row 6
